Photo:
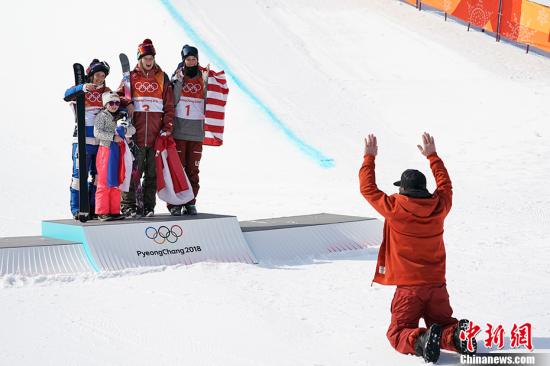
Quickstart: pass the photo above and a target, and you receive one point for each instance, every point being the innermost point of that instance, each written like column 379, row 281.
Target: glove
column 123, row 122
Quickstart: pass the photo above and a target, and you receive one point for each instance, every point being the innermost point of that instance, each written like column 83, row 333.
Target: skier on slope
column 152, row 110
column 412, row 256
column 189, row 81
column 95, row 86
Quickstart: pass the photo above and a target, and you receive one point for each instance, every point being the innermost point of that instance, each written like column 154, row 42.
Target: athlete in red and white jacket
column 190, row 84
column 152, row 109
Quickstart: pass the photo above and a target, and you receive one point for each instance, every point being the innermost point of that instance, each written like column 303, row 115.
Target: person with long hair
column 152, row 110
column 92, row 89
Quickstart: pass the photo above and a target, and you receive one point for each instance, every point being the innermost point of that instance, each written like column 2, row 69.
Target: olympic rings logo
column 93, row 97
column 163, row 234
column 146, row 86
column 192, row 88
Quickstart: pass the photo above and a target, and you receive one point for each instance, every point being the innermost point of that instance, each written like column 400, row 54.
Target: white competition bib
column 190, row 108
column 90, row 113
column 148, row 104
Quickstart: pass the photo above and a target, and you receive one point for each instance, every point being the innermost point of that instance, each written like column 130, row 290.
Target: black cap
column 413, row 184
column 189, row 51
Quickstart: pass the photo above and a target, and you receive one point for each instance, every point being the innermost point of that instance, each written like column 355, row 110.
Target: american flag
column 216, row 98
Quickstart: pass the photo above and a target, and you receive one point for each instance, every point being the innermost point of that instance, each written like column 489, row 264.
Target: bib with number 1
column 191, row 103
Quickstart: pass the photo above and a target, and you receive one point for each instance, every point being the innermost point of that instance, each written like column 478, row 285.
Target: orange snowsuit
column 412, row 256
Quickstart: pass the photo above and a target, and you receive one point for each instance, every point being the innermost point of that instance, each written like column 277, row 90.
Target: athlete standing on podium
column 93, row 89
column 152, row 109
column 190, row 82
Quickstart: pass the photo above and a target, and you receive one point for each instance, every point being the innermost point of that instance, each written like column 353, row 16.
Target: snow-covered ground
column 333, row 71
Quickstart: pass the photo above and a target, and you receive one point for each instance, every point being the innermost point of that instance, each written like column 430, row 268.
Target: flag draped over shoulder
column 127, row 159
column 214, row 115
column 119, row 166
column 173, row 186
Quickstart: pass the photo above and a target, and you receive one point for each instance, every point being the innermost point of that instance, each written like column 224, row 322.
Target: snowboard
column 136, row 174
column 83, row 195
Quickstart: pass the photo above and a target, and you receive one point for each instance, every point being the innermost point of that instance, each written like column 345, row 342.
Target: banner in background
column 526, row 22
column 522, row 21
column 446, row 6
column 480, row 13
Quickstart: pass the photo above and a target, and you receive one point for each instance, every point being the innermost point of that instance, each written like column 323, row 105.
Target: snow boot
column 131, row 213
column 117, row 217
column 147, row 212
column 462, row 345
column 175, row 210
column 190, row 210
column 104, row 217
column 427, row 344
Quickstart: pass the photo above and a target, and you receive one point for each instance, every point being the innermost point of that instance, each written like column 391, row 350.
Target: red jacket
column 149, row 124
column 412, row 250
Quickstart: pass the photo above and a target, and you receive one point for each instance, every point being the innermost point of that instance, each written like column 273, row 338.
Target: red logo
column 495, row 336
column 521, row 335
column 469, row 334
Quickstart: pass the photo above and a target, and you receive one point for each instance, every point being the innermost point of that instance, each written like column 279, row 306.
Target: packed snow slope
column 332, row 71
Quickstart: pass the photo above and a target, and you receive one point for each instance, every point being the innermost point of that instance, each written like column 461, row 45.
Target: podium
column 69, row 246
column 307, row 237
column 32, row 255
column 155, row 241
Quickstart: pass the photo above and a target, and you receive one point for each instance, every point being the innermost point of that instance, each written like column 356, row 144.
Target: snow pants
column 107, row 198
column 190, row 153
column 409, row 304
column 91, row 152
column 145, row 157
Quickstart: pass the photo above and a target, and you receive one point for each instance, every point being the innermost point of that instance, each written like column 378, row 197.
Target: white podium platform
column 155, row 241
column 302, row 238
column 68, row 246
column 33, row 255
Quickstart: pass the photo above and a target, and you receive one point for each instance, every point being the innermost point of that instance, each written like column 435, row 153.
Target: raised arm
column 442, row 179
column 367, row 180
column 74, row 91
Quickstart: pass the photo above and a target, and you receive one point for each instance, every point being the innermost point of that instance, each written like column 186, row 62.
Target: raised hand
column 89, row 87
column 428, row 145
column 371, row 145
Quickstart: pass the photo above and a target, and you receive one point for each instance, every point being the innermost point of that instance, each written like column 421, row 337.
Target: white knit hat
column 109, row 96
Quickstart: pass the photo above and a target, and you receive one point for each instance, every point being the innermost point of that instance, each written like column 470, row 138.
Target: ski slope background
column 333, row 72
